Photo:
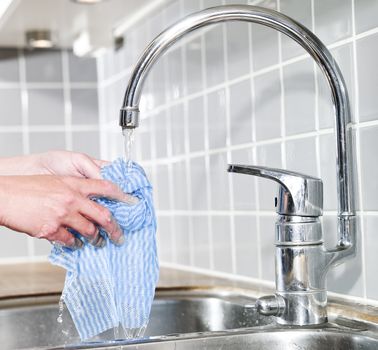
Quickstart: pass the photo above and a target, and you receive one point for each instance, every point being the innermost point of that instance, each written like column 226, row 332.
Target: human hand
column 44, row 206
column 69, row 164
column 53, row 163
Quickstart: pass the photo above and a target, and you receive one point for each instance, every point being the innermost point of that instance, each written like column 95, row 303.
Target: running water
column 128, row 139
column 61, row 309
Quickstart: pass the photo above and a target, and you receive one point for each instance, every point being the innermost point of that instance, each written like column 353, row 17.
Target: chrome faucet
column 301, row 258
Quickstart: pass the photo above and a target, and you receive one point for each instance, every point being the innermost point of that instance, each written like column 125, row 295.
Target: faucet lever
column 299, row 194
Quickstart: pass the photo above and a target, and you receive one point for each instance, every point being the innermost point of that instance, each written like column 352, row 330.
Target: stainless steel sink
column 184, row 320
column 32, row 322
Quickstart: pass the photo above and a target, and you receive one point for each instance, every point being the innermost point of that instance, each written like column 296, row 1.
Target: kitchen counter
column 41, row 278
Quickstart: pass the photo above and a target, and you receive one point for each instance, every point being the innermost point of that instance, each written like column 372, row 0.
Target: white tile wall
column 48, row 101
column 232, row 93
column 243, row 93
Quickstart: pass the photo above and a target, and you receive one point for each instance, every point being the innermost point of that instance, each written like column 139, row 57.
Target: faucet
column 301, row 259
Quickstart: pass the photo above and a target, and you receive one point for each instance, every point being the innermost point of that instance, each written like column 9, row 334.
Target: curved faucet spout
column 129, row 117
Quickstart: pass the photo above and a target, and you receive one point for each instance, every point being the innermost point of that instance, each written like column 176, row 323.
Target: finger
column 102, row 216
column 87, row 229
column 103, row 188
column 101, row 162
column 63, row 237
column 88, row 167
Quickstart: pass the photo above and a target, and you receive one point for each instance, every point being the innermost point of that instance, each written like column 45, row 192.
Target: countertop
column 42, row 278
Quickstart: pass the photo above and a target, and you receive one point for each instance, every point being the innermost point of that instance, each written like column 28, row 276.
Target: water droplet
column 59, row 319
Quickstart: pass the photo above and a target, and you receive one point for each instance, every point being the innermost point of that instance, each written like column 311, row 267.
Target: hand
column 69, row 164
column 44, row 206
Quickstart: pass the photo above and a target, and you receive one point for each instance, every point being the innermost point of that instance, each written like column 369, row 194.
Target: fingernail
column 78, row 244
column 100, row 242
column 121, row 240
column 129, row 199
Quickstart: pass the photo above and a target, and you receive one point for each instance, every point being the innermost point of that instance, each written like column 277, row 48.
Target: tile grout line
column 357, row 151
column 206, row 146
column 25, row 126
column 254, row 151
column 228, row 153
column 187, row 147
column 67, row 100
column 316, row 86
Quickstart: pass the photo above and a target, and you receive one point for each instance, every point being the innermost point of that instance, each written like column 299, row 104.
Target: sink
column 32, row 322
column 184, row 319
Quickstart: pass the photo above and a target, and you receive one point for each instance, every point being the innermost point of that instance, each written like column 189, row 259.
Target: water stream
column 128, row 139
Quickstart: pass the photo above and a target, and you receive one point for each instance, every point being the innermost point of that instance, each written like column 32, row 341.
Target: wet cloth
column 114, row 285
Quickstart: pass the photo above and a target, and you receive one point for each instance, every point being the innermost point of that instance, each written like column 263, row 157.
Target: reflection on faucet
column 301, row 266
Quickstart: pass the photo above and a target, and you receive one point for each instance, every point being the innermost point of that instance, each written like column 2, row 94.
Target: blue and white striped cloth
column 114, row 285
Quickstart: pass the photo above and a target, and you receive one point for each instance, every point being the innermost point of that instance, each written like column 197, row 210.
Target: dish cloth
column 114, row 285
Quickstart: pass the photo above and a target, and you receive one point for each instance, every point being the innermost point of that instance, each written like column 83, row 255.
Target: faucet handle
column 299, row 194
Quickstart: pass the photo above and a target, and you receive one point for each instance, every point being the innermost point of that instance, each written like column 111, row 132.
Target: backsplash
column 49, row 101
column 234, row 92
column 243, row 93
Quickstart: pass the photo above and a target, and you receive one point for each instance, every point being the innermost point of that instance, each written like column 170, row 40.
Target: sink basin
column 182, row 319
column 32, row 322
column 268, row 340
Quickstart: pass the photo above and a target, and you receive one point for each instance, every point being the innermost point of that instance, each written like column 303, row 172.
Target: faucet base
column 303, row 308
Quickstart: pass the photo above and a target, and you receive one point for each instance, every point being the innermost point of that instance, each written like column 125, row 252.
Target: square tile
column 143, row 138
column 222, row 243
column 11, row 144
column 196, row 120
column 182, row 251
column 328, row 171
column 367, row 56
column 267, row 104
column 193, row 51
column 268, row 155
column 84, row 104
column 82, row 69
column 175, row 75
column 216, row 118
column 46, row 107
column 162, row 188
column 299, row 10
column 301, row 156
column 46, row 141
column 87, row 142
column 369, row 143
column 299, row 85
column 241, row 112
column 12, row 244
column 364, row 11
column 214, row 56
column 43, row 66
column 238, row 41
column 264, row 47
column 9, row 66
column 267, row 248
column 10, row 102
column 219, row 180
column 42, row 247
column 163, row 241
column 370, row 256
column 162, row 133
column 247, row 263
column 198, row 184
column 178, row 129
column 180, row 186
column 158, row 76
column 243, row 185
column 333, row 20
column 201, row 249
